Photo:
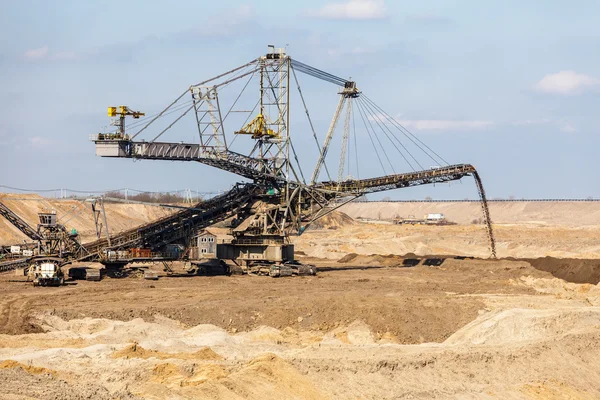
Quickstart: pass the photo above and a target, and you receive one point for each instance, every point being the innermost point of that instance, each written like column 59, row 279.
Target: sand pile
column 563, row 290
column 265, row 377
column 389, row 260
column 572, row 270
column 175, row 376
column 334, row 220
column 28, row 368
column 518, row 325
column 76, row 214
column 26, row 382
column 136, row 351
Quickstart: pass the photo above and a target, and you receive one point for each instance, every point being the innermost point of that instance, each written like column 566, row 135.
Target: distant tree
column 149, row 197
column 386, row 198
column 511, row 197
column 114, row 195
column 428, row 198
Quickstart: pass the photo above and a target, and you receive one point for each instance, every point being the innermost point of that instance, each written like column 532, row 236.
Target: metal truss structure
column 292, row 204
column 278, row 201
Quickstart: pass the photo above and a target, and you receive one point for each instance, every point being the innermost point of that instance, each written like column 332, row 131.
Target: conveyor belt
column 13, row 264
column 176, row 226
column 18, row 222
column 434, row 175
column 388, row 182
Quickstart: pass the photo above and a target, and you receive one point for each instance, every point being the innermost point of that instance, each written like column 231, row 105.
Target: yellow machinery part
column 257, row 128
column 122, row 111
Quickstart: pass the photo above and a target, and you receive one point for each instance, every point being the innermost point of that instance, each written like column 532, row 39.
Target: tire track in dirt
column 15, row 316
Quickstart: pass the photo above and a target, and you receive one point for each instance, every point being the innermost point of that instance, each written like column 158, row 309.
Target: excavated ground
column 369, row 326
column 467, row 328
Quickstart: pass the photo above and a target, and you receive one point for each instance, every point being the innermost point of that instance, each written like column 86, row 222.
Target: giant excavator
column 276, row 201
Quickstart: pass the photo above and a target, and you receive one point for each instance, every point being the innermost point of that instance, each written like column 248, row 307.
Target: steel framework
column 278, row 202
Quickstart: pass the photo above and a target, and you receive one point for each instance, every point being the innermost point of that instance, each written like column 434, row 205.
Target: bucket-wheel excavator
column 277, row 200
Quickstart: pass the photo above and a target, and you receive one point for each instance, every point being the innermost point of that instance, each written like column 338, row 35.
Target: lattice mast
column 270, row 128
column 347, row 95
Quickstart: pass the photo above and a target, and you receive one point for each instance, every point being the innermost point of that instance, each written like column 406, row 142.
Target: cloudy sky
column 511, row 87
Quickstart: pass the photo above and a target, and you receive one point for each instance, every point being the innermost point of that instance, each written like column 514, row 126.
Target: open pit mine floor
column 466, row 329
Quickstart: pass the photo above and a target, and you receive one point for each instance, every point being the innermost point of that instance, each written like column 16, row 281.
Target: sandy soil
column 469, row 328
column 367, row 327
column 567, row 213
column 73, row 214
column 467, row 240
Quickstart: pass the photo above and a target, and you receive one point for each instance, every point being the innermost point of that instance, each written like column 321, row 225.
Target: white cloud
column 555, row 124
column 37, row 54
column 458, row 125
column 352, row 9
column 39, row 141
column 44, row 53
column 443, row 125
column 566, row 82
column 568, row 128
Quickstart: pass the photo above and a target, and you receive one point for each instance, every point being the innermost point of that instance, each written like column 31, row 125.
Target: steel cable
column 405, row 131
column 382, row 127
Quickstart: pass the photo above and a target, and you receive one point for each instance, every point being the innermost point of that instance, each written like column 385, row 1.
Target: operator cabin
column 206, row 245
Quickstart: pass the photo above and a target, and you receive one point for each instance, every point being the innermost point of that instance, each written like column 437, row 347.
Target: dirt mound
column 21, row 381
column 265, row 377
column 517, row 325
column 553, row 389
column 333, row 220
column 176, row 376
column 562, row 290
column 570, row 269
column 29, row 368
column 134, row 350
column 348, row 258
column 392, row 260
column 75, row 214
column 372, row 260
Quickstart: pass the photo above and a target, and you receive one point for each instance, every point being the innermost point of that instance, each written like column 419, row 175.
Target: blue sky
column 511, row 87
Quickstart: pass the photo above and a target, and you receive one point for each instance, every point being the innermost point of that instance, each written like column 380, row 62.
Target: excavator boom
column 389, row 182
column 19, row 223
